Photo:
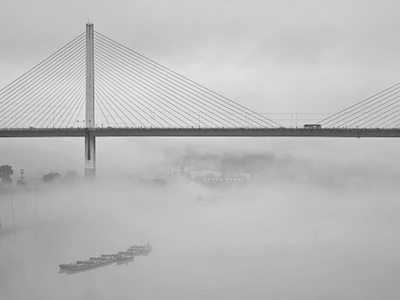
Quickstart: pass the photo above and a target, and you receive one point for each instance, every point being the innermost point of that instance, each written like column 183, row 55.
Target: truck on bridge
column 312, row 126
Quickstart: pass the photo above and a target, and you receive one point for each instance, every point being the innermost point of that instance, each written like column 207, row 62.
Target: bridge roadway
column 200, row 132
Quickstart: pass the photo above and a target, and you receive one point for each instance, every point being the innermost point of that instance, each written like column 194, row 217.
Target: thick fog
column 318, row 220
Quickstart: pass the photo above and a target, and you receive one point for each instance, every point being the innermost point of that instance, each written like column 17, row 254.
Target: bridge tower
column 90, row 141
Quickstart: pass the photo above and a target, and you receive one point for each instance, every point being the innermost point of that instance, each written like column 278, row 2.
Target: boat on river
column 123, row 257
column 140, row 249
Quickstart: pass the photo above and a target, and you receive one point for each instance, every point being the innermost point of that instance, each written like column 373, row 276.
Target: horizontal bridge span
column 201, row 132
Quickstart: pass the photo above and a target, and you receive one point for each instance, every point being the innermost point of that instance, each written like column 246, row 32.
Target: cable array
column 134, row 91
column 51, row 94
column 131, row 90
column 381, row 110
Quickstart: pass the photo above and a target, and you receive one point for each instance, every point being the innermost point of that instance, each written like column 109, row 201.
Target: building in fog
column 216, row 178
column 208, row 177
column 201, row 174
column 169, row 170
column 173, row 170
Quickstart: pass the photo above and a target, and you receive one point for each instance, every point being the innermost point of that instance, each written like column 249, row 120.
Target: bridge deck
column 201, row 132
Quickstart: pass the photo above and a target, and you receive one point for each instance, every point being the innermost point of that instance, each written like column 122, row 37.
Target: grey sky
column 273, row 56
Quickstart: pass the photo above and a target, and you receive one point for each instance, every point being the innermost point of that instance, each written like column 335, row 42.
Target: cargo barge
column 106, row 259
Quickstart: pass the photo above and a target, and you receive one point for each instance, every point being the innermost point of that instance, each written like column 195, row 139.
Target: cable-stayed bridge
column 94, row 86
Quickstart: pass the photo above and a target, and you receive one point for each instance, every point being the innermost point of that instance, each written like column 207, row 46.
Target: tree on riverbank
column 51, row 177
column 5, row 174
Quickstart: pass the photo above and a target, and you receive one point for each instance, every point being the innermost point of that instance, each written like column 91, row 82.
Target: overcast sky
column 271, row 56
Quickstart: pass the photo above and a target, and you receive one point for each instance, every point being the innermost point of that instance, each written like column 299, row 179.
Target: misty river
column 281, row 241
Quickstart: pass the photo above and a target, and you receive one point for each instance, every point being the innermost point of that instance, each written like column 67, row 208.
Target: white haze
column 317, row 222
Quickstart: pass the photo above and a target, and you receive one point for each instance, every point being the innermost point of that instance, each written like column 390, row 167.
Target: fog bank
column 285, row 241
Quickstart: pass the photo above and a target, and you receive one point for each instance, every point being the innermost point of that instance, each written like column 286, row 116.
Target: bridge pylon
column 90, row 140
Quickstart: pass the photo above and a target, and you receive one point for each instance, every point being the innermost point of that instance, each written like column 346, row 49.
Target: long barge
column 123, row 257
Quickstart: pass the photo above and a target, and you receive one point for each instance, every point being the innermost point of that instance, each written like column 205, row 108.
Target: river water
column 276, row 242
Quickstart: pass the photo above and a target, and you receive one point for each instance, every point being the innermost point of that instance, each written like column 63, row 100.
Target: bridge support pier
column 90, row 155
column 90, row 141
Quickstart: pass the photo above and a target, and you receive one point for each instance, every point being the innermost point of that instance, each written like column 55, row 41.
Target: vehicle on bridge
column 312, row 126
